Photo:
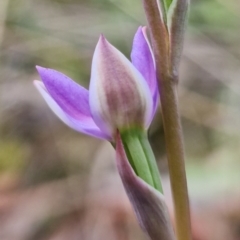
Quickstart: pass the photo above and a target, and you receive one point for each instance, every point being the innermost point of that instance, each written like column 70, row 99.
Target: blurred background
column 56, row 184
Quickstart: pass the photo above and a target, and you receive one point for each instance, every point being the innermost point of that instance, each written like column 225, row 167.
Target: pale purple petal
column 148, row 204
column 69, row 95
column 143, row 59
column 85, row 124
column 119, row 95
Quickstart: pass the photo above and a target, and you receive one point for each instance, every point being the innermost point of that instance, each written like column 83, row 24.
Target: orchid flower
column 122, row 94
column 119, row 107
column 122, row 97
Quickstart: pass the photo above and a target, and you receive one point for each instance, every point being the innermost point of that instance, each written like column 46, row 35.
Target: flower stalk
column 167, row 76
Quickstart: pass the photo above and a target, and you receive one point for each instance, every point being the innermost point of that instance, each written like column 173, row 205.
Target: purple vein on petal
column 84, row 125
column 118, row 93
column 143, row 59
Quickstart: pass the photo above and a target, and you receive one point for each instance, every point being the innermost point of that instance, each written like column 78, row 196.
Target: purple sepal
column 143, row 59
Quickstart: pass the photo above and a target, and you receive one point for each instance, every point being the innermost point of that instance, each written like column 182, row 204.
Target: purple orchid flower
column 122, row 94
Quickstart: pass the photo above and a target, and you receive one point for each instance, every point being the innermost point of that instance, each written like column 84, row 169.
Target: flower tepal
column 121, row 95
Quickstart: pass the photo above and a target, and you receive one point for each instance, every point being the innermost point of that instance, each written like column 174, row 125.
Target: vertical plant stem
column 171, row 120
column 175, row 155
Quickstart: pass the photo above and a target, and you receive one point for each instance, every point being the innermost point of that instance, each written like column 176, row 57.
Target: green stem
column 159, row 33
column 171, row 119
column 175, row 155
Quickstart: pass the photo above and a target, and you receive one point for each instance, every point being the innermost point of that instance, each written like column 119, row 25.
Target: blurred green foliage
column 13, row 156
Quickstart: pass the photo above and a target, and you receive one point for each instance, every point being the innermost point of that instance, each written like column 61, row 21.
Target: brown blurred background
column 56, row 184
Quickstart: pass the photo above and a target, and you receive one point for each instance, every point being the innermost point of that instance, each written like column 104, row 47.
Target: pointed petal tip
column 39, row 68
column 36, row 82
column 43, row 73
column 141, row 35
column 144, row 29
column 102, row 38
column 39, row 85
column 139, row 30
column 43, row 70
column 102, row 42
